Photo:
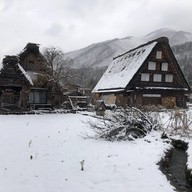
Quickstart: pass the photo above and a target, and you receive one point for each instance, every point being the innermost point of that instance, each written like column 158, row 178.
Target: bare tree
column 58, row 66
column 58, row 72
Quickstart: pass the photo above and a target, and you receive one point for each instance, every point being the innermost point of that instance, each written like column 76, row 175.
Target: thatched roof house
column 146, row 75
column 23, row 81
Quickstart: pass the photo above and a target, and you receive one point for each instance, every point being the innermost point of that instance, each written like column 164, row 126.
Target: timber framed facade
column 146, row 75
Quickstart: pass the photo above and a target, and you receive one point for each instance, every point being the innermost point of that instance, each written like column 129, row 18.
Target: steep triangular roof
column 123, row 68
column 31, row 59
column 12, row 69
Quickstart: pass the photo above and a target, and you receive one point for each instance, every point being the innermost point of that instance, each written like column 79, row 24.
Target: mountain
column 175, row 37
column 101, row 54
column 183, row 53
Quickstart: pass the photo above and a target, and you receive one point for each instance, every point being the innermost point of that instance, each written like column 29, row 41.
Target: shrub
column 179, row 123
column 124, row 124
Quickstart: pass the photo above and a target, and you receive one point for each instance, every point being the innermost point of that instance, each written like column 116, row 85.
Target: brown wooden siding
column 136, row 81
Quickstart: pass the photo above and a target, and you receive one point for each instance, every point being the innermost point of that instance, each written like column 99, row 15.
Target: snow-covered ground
column 189, row 153
column 43, row 153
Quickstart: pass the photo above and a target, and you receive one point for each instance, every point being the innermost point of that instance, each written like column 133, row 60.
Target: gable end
column 160, row 69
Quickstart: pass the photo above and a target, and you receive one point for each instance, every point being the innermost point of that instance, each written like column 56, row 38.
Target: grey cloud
column 6, row 4
column 54, row 30
column 82, row 22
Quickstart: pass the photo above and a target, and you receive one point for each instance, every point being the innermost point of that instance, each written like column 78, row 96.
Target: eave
column 109, row 90
column 163, row 88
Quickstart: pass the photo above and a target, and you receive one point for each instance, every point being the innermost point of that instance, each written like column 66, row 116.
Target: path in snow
column 175, row 170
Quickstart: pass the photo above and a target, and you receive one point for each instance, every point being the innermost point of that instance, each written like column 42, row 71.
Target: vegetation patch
column 124, row 124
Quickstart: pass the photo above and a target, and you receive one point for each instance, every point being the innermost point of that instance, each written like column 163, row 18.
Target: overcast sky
column 74, row 24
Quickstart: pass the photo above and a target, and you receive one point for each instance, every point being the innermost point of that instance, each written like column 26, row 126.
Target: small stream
column 175, row 165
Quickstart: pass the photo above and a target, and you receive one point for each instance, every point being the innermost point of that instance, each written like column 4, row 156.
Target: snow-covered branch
column 124, row 124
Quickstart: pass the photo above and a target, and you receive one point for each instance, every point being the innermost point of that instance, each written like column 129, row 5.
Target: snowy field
column 43, row 153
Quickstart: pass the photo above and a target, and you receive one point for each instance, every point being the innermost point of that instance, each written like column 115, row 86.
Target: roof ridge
column 160, row 39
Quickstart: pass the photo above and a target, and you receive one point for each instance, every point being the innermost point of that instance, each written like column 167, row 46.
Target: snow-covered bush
column 124, row 124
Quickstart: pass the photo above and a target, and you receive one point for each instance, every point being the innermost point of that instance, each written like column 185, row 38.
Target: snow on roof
column 25, row 74
column 33, row 75
column 123, row 68
column 111, row 90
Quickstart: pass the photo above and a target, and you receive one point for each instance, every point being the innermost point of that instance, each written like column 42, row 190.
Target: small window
column 138, row 52
column 151, row 65
column 164, row 67
column 144, row 76
column 169, row 78
column 159, row 55
column 151, row 95
column 157, row 77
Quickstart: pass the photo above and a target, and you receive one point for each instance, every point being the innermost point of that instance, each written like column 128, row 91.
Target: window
column 159, row 55
column 38, row 96
column 169, row 78
column 151, row 65
column 157, row 77
column 144, row 76
column 151, row 95
column 164, row 67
